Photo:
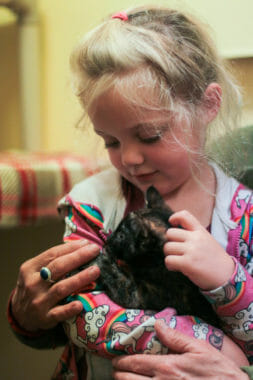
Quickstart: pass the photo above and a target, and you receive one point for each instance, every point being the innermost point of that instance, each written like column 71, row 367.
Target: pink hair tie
column 121, row 15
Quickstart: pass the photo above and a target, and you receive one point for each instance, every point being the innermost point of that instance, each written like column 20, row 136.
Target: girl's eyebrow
column 159, row 124
column 137, row 126
column 151, row 124
column 156, row 124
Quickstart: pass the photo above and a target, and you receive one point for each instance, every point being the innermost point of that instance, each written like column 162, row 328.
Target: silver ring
column 46, row 275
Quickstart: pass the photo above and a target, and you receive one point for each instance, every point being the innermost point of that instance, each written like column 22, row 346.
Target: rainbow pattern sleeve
column 233, row 302
column 82, row 221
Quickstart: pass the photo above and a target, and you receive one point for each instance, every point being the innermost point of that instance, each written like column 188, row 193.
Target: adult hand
column 190, row 359
column 35, row 302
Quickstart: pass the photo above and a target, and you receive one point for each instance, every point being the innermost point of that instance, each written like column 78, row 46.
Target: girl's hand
column 36, row 303
column 194, row 252
column 189, row 359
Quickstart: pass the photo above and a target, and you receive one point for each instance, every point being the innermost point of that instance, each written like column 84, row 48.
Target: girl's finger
column 173, row 248
column 177, row 234
column 185, row 220
column 174, row 262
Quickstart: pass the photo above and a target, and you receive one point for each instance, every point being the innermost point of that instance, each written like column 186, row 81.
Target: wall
column 10, row 116
column 61, row 24
column 243, row 70
column 17, row 361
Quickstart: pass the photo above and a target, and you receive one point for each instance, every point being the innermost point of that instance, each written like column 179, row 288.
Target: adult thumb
column 175, row 340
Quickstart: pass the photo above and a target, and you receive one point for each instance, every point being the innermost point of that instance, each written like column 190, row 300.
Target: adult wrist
column 15, row 324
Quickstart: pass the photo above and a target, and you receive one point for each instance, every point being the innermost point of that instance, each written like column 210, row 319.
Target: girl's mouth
column 147, row 177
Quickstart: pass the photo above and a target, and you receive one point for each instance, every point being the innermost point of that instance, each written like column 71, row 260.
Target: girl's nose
column 131, row 155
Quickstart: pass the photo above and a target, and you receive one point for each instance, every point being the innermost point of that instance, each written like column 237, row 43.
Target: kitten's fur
column 133, row 273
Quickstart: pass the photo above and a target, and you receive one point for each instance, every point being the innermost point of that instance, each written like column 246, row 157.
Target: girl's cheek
column 114, row 158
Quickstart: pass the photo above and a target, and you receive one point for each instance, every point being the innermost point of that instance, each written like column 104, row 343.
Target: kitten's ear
column 154, row 199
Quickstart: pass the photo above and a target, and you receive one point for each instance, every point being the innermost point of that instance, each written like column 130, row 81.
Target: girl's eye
column 150, row 135
column 111, row 144
column 150, row 139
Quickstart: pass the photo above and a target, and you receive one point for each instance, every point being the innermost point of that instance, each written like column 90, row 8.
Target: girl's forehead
column 113, row 111
column 134, row 89
column 115, row 104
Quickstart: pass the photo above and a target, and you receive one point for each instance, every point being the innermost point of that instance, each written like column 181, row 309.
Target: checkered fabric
column 31, row 184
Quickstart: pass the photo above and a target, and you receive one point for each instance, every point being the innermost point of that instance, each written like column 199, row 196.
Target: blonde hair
column 167, row 52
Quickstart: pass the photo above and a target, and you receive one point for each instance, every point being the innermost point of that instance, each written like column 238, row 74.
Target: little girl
column 156, row 92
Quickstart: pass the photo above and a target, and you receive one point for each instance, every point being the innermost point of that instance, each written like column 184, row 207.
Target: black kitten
column 133, row 273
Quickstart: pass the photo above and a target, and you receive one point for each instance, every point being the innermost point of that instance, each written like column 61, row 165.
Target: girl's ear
column 211, row 101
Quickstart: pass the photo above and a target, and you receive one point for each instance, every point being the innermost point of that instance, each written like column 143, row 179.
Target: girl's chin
column 162, row 189
column 143, row 185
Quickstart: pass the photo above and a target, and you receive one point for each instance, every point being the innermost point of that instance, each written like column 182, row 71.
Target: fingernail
column 84, row 241
column 160, row 322
column 166, row 245
column 94, row 245
column 94, row 270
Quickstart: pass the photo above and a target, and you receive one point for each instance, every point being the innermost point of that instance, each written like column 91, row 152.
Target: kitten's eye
column 121, row 236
